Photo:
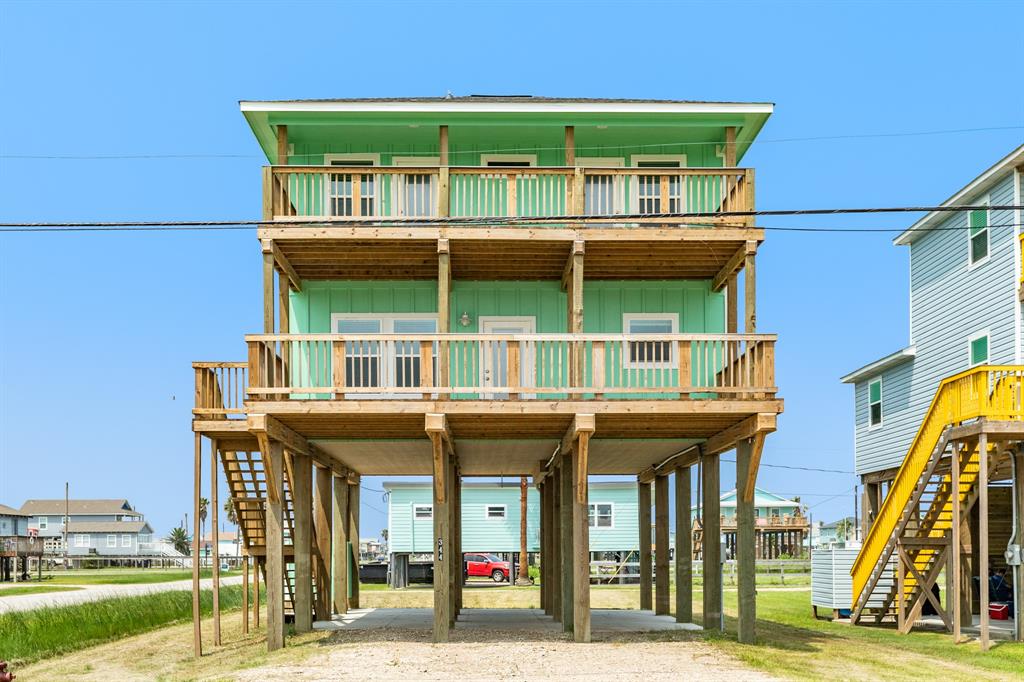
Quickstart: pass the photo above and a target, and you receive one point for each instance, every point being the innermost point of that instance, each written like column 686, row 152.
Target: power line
column 500, row 150
column 796, row 468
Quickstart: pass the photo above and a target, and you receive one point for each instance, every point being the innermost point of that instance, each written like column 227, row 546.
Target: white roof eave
column 512, row 107
column 873, row 368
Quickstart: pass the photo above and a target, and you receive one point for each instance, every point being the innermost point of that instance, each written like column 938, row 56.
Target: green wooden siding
column 311, row 308
column 480, row 534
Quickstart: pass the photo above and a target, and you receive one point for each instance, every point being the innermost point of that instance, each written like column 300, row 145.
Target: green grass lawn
column 792, row 644
column 34, row 589
column 127, row 576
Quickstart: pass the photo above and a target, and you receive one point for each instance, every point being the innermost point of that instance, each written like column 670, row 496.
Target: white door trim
column 529, row 324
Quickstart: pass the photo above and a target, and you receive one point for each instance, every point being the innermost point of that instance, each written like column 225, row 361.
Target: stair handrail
column 984, row 391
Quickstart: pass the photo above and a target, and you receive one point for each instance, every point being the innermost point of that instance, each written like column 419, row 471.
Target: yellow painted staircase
column 917, row 514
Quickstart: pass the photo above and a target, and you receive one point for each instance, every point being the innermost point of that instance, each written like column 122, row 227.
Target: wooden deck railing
column 326, row 192
column 220, row 388
column 499, row 367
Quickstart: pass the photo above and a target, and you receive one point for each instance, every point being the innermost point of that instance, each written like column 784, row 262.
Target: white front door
column 495, row 353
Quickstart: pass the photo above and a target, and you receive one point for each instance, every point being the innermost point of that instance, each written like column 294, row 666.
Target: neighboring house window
column 875, row 403
column 111, row 541
column 44, row 522
column 978, row 233
column 599, row 515
column 126, row 540
column 495, row 511
column 145, row 538
column 650, row 354
column 423, row 512
column 81, row 540
column 978, row 345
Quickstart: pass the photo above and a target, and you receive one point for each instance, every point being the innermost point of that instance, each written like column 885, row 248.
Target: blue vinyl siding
column 480, row 534
column 950, row 301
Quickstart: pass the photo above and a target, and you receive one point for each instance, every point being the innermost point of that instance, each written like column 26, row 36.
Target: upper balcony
column 460, row 194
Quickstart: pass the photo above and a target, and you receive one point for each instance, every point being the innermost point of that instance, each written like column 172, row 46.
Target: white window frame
column 486, row 159
column 387, row 326
column 331, row 159
column 489, row 507
column 43, row 522
column 673, row 360
column 618, row 195
column 111, row 540
column 82, row 540
column 881, row 404
column 635, row 199
column 971, row 264
column 398, row 184
column 417, row 507
column 611, row 505
column 126, row 540
column 984, row 333
column 636, row 159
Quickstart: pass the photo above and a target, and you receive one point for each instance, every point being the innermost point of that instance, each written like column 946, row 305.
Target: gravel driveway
column 87, row 593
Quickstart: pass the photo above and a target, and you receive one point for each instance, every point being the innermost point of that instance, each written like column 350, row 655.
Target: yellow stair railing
column 992, row 392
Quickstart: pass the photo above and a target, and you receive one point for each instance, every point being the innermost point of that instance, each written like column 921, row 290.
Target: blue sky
column 98, row 330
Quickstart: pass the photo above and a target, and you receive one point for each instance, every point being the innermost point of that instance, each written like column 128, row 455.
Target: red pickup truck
column 487, row 566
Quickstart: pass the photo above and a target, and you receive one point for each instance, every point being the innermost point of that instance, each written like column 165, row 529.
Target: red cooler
column 999, row 611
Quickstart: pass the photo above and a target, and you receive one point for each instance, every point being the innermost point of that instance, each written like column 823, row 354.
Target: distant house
column 229, row 544
column 837, row 534
column 95, row 527
column 12, row 522
column 17, row 542
column 781, row 527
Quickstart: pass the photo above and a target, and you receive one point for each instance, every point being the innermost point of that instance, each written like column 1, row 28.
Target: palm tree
column 204, row 505
column 178, row 538
column 229, row 511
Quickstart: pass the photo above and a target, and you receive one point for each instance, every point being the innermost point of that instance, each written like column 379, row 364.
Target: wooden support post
column 339, row 546
column 644, row 509
column 245, row 595
column 215, row 539
column 458, row 558
column 197, row 544
column 442, row 144
column 732, row 295
column 444, row 284
column 730, row 146
column 556, row 543
column 257, row 568
column 983, row 540
column 661, row 563
column 302, row 502
column 322, row 539
column 750, row 292
column 684, row 547
column 745, row 556
column 274, row 565
column 442, row 539
column 570, row 146
column 567, row 492
column 353, row 543
column 268, row 293
column 953, row 581
column 711, row 547
column 524, row 563
column 453, row 554
column 581, row 540
column 282, row 145
column 545, row 548
column 1018, row 495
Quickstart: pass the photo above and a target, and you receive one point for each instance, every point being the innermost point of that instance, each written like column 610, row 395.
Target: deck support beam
column 750, row 289
column 353, row 541
column 339, row 545
column 575, row 455
column 274, row 561
column 1018, row 500
column 215, row 538
column 953, row 582
column 983, row 562
column 556, row 542
column 748, row 454
column 197, row 638
column 302, row 501
column 684, row 547
column 268, row 293
column 565, row 483
column 661, row 562
column 442, row 539
column 644, row 513
column 322, row 521
column 711, row 547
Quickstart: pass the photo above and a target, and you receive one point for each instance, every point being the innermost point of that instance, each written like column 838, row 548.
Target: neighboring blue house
column 12, row 522
column 16, row 544
column 491, row 517
column 96, row 527
column 781, row 528
column 965, row 287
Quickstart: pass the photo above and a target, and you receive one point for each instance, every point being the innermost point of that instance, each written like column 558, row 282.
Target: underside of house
column 443, row 319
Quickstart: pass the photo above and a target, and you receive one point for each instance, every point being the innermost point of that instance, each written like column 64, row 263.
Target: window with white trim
column 602, row 194
column 978, row 348
column 81, row 540
column 111, row 540
column 978, row 232
column 43, row 523
column 384, row 364
column 650, row 354
column 126, row 540
column 875, row 403
column 339, row 191
column 423, row 512
column 647, row 194
column 508, row 160
column 415, row 194
column 495, row 511
column 599, row 515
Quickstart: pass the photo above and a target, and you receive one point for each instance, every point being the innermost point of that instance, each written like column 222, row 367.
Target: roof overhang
column 505, row 107
column 980, row 184
column 869, row 370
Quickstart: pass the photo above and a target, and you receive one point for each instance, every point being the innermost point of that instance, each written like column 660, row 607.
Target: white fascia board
column 977, row 185
column 512, row 107
column 878, row 366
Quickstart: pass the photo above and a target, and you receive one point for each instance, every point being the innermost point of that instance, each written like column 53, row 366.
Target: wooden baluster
column 597, row 350
column 511, row 198
column 426, row 366
column 514, row 354
column 338, row 368
column 664, row 194
column 685, row 371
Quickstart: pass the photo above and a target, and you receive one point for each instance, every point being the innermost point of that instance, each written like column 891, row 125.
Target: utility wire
column 454, row 153
column 796, row 468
